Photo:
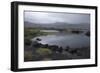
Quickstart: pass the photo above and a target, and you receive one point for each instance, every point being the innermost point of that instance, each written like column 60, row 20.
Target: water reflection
column 63, row 40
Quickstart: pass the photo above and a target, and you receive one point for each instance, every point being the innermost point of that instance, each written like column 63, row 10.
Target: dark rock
column 87, row 33
column 38, row 39
column 73, row 51
column 67, row 48
column 60, row 50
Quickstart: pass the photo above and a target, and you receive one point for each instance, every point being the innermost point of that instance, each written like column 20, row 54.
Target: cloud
column 51, row 17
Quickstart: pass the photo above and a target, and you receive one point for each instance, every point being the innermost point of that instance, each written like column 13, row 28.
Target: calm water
column 63, row 40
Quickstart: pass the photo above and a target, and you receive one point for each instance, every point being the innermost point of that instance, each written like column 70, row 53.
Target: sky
column 53, row 17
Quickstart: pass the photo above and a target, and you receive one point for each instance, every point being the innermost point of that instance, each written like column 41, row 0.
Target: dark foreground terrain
column 39, row 52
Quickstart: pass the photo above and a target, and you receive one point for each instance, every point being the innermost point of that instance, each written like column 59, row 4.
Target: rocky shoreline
column 44, row 52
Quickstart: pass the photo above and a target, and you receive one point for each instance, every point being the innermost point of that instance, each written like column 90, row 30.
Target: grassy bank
column 30, row 33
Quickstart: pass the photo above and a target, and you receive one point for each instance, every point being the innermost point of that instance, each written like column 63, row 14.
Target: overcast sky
column 51, row 17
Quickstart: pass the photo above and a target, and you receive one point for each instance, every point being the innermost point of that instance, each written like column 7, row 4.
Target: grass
column 30, row 33
column 28, row 55
column 45, row 52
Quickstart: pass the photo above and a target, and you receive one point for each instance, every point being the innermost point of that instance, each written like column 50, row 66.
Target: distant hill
column 58, row 25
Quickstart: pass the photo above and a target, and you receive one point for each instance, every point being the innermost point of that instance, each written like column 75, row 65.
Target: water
column 65, row 39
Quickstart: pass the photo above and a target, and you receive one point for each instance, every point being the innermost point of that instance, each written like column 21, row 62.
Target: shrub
column 27, row 42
